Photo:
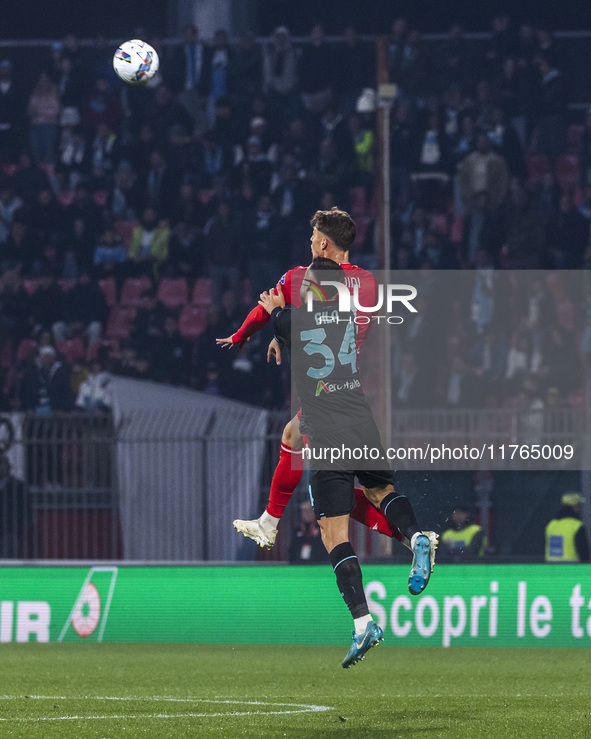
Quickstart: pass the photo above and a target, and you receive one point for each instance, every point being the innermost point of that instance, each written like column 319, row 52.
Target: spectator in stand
column 245, row 73
column 280, row 74
column 46, row 217
column 186, row 251
column 291, row 200
column 188, row 207
column 560, row 367
column 171, row 355
column 223, row 238
column 585, row 153
column 46, row 385
column 43, row 110
column 483, row 105
column 306, row 544
column 328, row 172
column 15, row 513
column 514, row 93
column 483, row 169
column 355, row 62
column 185, row 73
column 95, row 392
column 83, row 311
column 547, row 46
column 218, row 62
column 21, row 251
column 12, row 109
column 70, row 83
column 255, row 168
column 410, row 390
column 167, row 112
column 297, row 144
column 148, row 249
column 10, row 204
column 109, row 253
column 501, row 45
column 431, row 163
column 74, row 157
column 77, row 253
column 148, row 323
column 413, row 72
column 105, row 149
column 457, row 67
column 462, row 387
column 124, row 198
column 567, row 236
column 101, row 106
column 551, row 105
column 29, row 179
column 13, row 307
column 396, row 45
column 506, row 142
column 83, row 207
column 211, row 159
column 266, row 252
column 401, row 154
column 363, row 137
column 315, row 72
column 160, row 184
column 335, row 129
column 464, row 142
column 566, row 535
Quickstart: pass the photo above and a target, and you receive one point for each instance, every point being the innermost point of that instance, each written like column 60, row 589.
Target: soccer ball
column 136, row 62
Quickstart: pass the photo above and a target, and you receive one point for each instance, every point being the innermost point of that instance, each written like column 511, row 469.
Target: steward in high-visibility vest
column 566, row 538
column 465, row 540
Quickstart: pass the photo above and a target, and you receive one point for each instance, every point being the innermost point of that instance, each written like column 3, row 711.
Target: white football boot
column 259, row 530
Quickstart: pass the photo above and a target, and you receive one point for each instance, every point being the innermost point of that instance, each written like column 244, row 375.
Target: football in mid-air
column 136, row 62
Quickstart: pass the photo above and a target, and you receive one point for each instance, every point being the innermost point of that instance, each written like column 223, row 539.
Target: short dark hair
column 337, row 225
column 337, row 273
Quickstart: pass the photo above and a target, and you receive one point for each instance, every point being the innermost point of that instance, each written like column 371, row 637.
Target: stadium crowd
column 137, row 224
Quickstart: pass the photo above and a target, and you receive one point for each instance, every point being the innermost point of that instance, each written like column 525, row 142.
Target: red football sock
column 285, row 479
column 370, row 516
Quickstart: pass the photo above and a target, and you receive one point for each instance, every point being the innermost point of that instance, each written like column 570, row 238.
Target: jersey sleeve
column 258, row 317
column 282, row 325
column 368, row 290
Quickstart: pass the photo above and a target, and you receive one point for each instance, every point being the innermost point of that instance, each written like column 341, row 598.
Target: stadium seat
column 131, row 293
column 109, row 288
column 66, row 284
column 202, row 292
column 112, row 344
column 567, row 172
column 358, row 201
column 124, row 229
column 30, row 286
column 120, row 322
column 537, row 166
column 173, row 293
column 65, row 198
column 192, row 321
column 72, row 349
column 573, row 138
column 99, row 197
column 25, row 348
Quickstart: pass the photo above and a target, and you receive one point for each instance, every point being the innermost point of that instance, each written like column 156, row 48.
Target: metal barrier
column 61, row 491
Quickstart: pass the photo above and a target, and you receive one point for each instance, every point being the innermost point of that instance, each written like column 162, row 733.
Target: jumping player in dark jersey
column 332, row 235
column 336, row 415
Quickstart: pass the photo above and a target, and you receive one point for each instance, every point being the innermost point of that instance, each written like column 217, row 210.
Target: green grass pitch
column 118, row 690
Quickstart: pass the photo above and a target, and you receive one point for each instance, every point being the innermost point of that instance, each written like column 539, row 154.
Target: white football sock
column 361, row 623
column 269, row 522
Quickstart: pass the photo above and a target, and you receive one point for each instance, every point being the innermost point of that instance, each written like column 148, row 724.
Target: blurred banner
column 479, row 605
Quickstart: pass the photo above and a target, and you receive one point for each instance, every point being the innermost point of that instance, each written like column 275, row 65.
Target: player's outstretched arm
column 272, row 299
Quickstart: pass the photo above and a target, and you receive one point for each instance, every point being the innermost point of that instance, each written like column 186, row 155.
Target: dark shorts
column 332, row 492
column 332, row 482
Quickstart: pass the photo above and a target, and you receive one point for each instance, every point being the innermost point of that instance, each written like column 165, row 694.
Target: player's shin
column 398, row 510
column 350, row 583
column 287, row 475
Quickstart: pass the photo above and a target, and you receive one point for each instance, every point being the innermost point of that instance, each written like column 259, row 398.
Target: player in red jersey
column 333, row 233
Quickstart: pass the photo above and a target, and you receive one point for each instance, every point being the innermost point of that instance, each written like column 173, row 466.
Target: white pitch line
column 299, row 708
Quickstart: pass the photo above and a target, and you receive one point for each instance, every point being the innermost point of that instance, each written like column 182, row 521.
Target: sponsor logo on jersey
column 332, row 387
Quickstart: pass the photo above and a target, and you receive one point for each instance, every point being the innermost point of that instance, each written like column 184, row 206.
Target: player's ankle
column 269, row 521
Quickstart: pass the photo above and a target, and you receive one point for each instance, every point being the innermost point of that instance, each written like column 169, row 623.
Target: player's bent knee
column 376, row 495
column 291, row 434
